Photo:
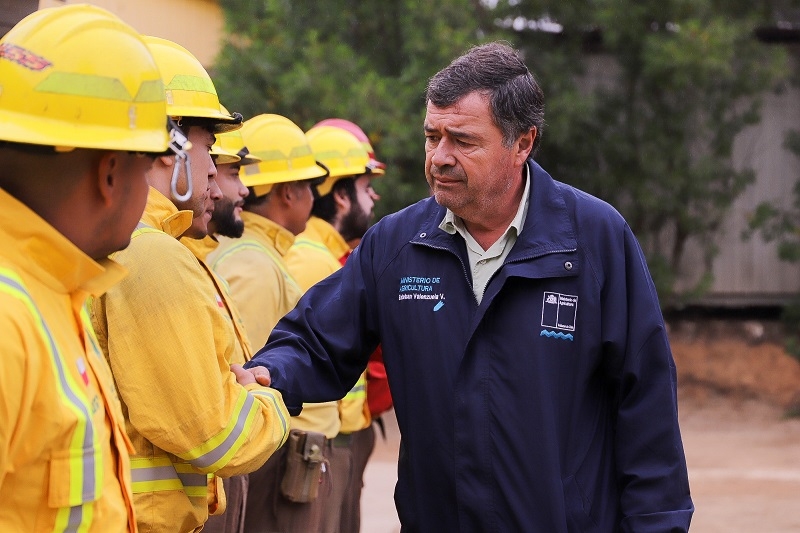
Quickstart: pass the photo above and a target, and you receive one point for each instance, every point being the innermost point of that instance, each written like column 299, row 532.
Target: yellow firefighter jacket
column 169, row 349
column 64, row 455
column 317, row 253
column 243, row 351
column 264, row 291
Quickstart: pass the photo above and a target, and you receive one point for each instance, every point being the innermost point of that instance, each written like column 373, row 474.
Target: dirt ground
column 736, row 386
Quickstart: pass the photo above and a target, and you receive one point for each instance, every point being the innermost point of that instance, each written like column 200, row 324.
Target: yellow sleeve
column 353, row 411
column 168, row 347
column 259, row 289
column 310, row 262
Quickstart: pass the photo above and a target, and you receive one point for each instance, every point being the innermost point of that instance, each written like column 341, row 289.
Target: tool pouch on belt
column 304, row 466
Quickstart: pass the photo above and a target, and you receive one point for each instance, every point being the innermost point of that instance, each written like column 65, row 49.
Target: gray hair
column 496, row 70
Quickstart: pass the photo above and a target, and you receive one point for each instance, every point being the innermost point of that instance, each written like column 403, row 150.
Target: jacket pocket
column 68, row 486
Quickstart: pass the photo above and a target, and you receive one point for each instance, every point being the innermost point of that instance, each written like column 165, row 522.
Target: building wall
column 748, row 272
column 745, row 272
column 195, row 24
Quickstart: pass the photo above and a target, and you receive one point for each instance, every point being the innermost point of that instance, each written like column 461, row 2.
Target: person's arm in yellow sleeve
column 168, row 344
column 259, row 290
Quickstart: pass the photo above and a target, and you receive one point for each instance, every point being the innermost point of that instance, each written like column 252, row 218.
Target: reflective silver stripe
column 193, row 480
column 153, row 473
column 165, row 473
column 160, row 474
column 88, row 491
column 357, row 388
column 214, row 455
column 271, row 395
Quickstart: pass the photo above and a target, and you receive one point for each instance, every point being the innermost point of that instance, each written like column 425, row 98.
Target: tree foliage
column 367, row 61
column 644, row 99
column 657, row 92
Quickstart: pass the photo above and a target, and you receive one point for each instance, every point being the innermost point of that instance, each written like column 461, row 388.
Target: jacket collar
column 161, row 213
column 265, row 229
column 200, row 248
column 548, row 227
column 30, row 243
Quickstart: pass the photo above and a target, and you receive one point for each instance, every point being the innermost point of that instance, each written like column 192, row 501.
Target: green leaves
column 644, row 99
column 367, row 61
column 651, row 128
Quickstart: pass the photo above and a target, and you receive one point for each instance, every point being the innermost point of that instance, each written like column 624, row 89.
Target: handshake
column 258, row 374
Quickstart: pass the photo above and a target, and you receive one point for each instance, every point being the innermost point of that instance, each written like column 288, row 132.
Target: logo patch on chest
column 559, row 311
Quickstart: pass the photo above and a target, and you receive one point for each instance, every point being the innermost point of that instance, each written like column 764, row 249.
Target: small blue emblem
column 556, row 335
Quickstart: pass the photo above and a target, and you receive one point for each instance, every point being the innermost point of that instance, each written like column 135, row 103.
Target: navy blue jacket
column 550, row 407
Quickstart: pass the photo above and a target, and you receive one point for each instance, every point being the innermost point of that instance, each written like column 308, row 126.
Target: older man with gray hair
column 526, row 352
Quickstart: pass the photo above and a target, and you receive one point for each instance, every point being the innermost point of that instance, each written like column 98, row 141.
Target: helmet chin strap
column 179, row 144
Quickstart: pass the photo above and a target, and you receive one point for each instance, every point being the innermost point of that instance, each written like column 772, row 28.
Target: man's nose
column 443, row 154
column 212, row 168
column 213, row 190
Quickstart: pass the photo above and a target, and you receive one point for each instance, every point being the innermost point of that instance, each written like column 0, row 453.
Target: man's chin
column 196, row 233
column 231, row 228
column 444, row 199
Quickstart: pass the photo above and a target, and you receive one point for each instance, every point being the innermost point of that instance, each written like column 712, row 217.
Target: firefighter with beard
column 277, row 209
column 164, row 323
column 341, row 215
column 230, row 155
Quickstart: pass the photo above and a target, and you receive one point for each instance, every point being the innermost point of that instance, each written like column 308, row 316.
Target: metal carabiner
column 179, row 144
column 181, row 159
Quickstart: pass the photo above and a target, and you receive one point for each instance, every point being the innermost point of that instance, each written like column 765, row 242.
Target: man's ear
column 105, row 176
column 342, row 200
column 282, row 192
column 524, row 145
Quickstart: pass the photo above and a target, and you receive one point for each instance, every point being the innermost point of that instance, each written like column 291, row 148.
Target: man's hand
column 257, row 374
column 243, row 376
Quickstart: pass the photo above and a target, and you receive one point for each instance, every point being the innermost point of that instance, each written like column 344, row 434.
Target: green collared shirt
column 484, row 263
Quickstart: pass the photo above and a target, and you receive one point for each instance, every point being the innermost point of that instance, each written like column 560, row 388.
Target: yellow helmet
column 79, row 77
column 189, row 89
column 230, row 148
column 284, row 152
column 232, row 143
column 340, row 151
column 374, row 166
column 223, row 153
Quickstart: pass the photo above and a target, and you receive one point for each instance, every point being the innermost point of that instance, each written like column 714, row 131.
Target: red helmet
column 374, row 166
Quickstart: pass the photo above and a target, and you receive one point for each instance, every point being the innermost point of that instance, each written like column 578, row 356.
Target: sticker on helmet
column 23, row 57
